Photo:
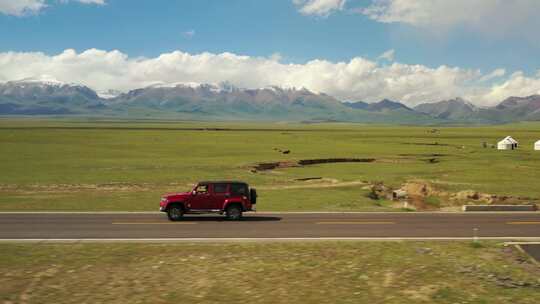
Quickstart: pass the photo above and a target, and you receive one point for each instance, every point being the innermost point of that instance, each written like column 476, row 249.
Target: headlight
column 164, row 199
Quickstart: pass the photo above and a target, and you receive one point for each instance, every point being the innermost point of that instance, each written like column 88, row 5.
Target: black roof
column 222, row 182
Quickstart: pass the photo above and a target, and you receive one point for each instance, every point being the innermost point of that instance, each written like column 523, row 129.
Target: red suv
column 224, row 197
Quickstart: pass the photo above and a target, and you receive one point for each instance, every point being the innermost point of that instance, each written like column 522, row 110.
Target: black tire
column 175, row 213
column 234, row 212
column 253, row 196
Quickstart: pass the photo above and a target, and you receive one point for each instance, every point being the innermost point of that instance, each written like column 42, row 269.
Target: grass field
column 60, row 164
column 319, row 272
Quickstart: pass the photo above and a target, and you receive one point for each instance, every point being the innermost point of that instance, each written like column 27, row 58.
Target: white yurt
column 508, row 143
column 537, row 145
column 504, row 145
column 512, row 140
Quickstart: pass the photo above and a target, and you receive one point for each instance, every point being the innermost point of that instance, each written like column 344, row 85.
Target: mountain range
column 47, row 96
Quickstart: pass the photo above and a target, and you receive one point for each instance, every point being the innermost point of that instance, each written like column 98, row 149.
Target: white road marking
column 81, row 212
column 522, row 243
column 152, row 223
column 355, row 223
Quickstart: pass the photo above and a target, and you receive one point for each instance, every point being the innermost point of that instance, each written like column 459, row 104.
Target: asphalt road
column 269, row 225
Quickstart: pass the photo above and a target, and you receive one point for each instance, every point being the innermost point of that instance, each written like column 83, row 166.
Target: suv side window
column 202, row 189
column 239, row 189
column 220, row 188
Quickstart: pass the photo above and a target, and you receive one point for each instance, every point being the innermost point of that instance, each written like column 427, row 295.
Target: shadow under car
column 220, row 218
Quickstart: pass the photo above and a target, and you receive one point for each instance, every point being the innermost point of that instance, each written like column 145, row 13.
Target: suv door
column 220, row 192
column 201, row 199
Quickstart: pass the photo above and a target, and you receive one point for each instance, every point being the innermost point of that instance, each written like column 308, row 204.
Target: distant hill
column 228, row 100
column 454, row 109
column 509, row 110
column 357, row 105
column 47, row 96
column 388, row 105
column 512, row 109
column 269, row 103
column 517, row 108
column 381, row 106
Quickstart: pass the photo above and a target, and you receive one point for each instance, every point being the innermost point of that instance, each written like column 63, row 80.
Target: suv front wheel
column 234, row 212
column 175, row 213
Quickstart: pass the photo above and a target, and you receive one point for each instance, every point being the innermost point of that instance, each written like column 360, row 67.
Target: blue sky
column 255, row 28
column 295, row 31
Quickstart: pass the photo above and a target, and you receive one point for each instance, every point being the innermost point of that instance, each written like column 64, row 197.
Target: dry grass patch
column 324, row 272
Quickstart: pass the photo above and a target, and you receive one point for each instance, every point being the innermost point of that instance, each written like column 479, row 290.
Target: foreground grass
column 127, row 165
column 322, row 272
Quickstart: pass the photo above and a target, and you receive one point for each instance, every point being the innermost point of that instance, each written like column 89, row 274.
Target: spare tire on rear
column 253, row 196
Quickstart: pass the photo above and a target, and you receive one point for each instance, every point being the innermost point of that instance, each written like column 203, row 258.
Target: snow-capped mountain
column 108, row 94
column 46, row 96
column 227, row 101
column 43, row 80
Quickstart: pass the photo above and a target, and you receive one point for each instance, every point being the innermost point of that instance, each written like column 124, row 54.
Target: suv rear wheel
column 234, row 212
column 175, row 213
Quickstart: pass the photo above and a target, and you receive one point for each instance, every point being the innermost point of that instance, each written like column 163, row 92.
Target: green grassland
column 83, row 164
column 305, row 272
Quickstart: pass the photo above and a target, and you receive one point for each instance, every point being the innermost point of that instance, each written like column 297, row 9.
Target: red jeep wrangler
column 227, row 197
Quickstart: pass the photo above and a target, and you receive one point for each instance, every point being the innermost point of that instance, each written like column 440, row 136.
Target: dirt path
column 326, row 183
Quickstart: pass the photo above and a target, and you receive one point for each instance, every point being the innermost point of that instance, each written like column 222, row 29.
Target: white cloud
column 388, row 55
column 493, row 17
column 357, row 79
column 517, row 85
column 319, row 7
column 493, row 75
column 31, row 7
column 21, row 7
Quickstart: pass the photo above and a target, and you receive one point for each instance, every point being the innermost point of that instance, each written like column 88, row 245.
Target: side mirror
column 193, row 192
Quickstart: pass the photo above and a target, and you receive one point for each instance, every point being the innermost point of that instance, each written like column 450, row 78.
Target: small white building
column 508, row 143
column 505, row 145
column 537, row 145
column 513, row 141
